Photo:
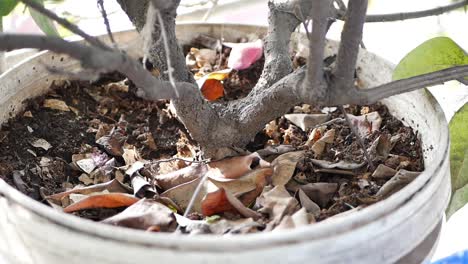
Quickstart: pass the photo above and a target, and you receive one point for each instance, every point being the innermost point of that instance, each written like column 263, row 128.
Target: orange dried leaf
column 212, row 89
column 108, row 200
column 235, row 167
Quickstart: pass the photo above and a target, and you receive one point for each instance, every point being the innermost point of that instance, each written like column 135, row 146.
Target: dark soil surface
column 157, row 134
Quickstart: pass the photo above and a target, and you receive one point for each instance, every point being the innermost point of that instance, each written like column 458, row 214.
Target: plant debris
column 97, row 151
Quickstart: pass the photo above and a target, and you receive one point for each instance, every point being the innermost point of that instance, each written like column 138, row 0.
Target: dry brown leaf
column 144, row 214
column 307, row 121
column 182, row 194
column 320, row 192
column 109, row 200
column 275, row 150
column 345, row 165
column 235, row 167
column 113, row 186
column 103, row 129
column 222, row 201
column 253, row 180
column 172, row 179
column 41, row 143
column 401, row 179
column 367, row 123
column 298, row 219
column 141, row 187
column 308, row 204
column 240, row 226
column 130, row 155
column 284, row 167
column 383, row 172
column 56, row 105
column 277, row 203
column 319, row 146
column 211, row 85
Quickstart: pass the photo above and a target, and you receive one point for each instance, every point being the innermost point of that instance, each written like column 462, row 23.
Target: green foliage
column 435, row 54
column 44, row 23
column 6, row 6
column 460, row 196
column 459, row 146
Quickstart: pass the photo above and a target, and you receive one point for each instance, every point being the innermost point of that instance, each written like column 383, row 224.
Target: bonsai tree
column 219, row 127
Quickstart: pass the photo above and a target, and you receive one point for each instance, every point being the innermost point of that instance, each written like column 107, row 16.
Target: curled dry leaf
column 240, row 226
column 307, row 121
column 381, row 146
column 383, row 172
column 235, row 167
column 211, row 85
column 275, row 150
column 367, row 123
column 144, row 214
column 277, row 203
column 109, row 200
column 141, row 187
column 319, row 146
column 113, row 186
column 41, row 143
column 401, row 179
column 298, row 219
column 253, row 180
column 320, row 192
column 345, row 165
column 243, row 55
column 182, row 194
column 308, row 204
column 222, row 201
column 284, row 167
column 56, row 104
column 172, row 179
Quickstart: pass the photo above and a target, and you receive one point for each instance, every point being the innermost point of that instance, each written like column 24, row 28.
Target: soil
column 157, row 134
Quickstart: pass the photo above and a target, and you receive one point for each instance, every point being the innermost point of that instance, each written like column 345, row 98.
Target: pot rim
column 330, row 227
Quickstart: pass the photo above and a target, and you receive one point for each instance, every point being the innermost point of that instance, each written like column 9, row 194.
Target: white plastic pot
column 403, row 228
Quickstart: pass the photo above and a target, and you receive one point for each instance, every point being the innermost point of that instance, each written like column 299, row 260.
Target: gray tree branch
column 95, row 58
column 314, row 86
column 410, row 15
column 73, row 28
column 351, row 37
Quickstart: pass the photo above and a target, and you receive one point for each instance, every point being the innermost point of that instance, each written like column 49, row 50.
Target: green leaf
column 435, row 54
column 6, row 6
column 459, row 147
column 44, row 23
column 460, row 197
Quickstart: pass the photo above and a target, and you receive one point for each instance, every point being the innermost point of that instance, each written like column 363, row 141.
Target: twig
column 214, row 4
column 167, row 51
column 73, row 28
column 195, row 194
column 101, row 8
column 368, row 96
column 359, row 138
column 412, row 15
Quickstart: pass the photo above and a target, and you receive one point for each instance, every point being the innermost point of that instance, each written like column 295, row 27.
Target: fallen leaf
column 243, row 55
column 235, row 167
column 222, row 201
column 308, row 204
column 240, row 226
column 41, row 143
column 182, row 194
column 380, row 147
column 345, row 165
column 144, row 214
column 319, row 146
column 113, row 186
column 253, row 180
column 27, row 114
column 141, row 187
column 116, row 87
column 275, row 150
column 277, row 203
column 56, row 105
column 85, row 179
column 383, row 172
column 136, row 166
column 298, row 219
column 211, row 85
column 110, row 200
column 367, row 123
column 307, row 121
column 284, row 167
column 130, row 155
column 401, row 179
column 320, row 192
column 172, row 179
column 86, row 165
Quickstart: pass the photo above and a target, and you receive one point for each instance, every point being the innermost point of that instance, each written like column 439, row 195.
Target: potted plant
column 414, row 213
